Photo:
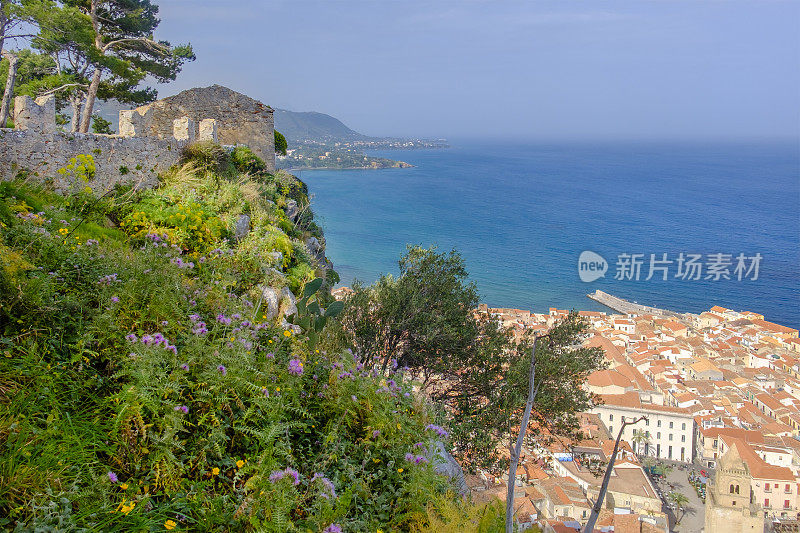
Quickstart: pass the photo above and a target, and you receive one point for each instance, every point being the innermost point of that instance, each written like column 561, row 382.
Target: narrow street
column 694, row 515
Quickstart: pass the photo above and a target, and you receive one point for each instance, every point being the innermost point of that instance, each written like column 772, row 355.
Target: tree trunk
column 516, row 451
column 3, row 23
column 86, row 117
column 9, row 91
column 75, row 101
column 598, row 505
column 91, row 94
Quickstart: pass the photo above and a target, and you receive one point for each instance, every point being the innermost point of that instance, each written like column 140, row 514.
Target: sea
column 541, row 225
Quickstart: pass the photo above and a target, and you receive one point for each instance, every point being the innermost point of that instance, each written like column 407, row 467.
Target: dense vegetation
column 143, row 386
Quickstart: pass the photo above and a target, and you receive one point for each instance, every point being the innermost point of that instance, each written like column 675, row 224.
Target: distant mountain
column 313, row 126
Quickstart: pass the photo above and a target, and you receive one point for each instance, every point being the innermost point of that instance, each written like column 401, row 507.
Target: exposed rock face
column 316, row 248
column 239, row 118
column 242, row 227
column 292, row 211
column 276, row 302
column 269, row 298
column 446, row 465
column 288, row 299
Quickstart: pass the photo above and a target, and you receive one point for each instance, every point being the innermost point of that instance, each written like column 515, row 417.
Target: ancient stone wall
column 239, row 118
column 150, row 137
column 36, row 149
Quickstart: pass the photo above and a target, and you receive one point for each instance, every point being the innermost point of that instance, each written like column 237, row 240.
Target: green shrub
column 245, row 161
column 100, row 125
column 280, row 143
column 207, row 155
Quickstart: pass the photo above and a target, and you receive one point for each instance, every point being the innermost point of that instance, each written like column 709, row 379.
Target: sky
column 596, row 70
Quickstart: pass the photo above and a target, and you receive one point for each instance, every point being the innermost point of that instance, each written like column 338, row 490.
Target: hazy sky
column 663, row 69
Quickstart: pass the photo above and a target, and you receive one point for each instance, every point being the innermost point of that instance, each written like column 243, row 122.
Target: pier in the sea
column 623, row 306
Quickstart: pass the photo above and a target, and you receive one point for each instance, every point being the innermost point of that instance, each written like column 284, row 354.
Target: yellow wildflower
column 287, row 333
column 400, row 470
column 239, row 463
column 215, row 471
column 123, row 486
column 170, row 524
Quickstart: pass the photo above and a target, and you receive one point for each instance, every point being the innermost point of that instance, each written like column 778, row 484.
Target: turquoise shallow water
column 521, row 214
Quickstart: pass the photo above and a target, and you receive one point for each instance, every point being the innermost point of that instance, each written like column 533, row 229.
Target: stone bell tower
column 729, row 503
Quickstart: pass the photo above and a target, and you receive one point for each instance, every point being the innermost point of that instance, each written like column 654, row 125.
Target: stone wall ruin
column 150, row 138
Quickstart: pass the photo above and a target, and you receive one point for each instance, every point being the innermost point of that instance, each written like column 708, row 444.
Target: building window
column 788, row 489
column 683, row 438
column 766, row 503
column 733, row 503
column 658, row 423
column 785, row 504
column 670, row 425
column 669, row 453
column 683, row 426
column 767, row 487
column 658, row 434
column 670, row 436
column 737, row 489
column 732, row 488
column 610, row 418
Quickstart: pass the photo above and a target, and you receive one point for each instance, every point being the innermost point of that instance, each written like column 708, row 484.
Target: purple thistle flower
column 182, row 408
column 296, row 367
column 114, row 299
column 280, row 474
column 131, row 337
column 265, row 391
column 375, row 433
column 295, row 474
column 172, row 348
column 409, row 457
column 354, row 398
column 333, row 528
column 185, row 367
column 112, row 476
column 222, row 370
column 270, row 355
column 420, row 459
column 438, row 429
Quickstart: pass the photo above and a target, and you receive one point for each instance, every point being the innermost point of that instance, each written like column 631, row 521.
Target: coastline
column 300, row 169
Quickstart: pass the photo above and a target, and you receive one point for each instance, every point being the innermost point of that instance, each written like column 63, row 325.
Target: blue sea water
column 522, row 213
